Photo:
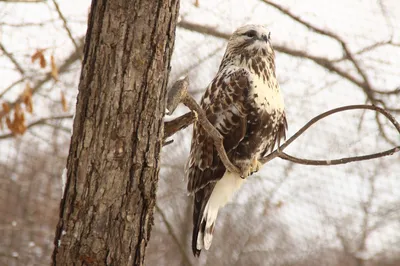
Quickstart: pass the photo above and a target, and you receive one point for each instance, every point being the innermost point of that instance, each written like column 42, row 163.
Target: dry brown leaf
column 27, row 98
column 21, row 118
column 42, row 62
column 29, row 107
column 17, row 108
column 6, row 107
column 21, row 128
column 64, row 102
column 28, row 89
column 36, row 55
column 39, row 55
column 9, row 124
column 17, row 125
column 54, row 69
column 196, row 3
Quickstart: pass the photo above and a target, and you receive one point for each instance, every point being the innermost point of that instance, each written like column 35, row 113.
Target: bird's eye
column 250, row 33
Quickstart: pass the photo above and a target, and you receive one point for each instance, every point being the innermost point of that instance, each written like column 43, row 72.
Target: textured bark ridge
column 106, row 213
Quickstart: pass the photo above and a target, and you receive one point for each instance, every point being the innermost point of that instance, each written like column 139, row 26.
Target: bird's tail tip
column 204, row 224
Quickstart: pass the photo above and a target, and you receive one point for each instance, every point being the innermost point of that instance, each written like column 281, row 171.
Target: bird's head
column 250, row 39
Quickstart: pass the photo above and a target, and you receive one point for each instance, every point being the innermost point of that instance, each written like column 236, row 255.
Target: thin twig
column 73, row 57
column 62, row 17
column 26, row 24
column 12, row 59
column 297, row 160
column 11, row 86
column 203, row 29
column 41, row 121
column 321, row 61
column 174, row 237
column 364, row 84
column 278, row 152
column 390, row 92
column 385, row 15
column 382, row 130
column 367, row 86
column 363, row 50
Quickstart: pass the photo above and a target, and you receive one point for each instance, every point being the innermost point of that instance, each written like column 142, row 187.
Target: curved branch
column 211, row 131
column 178, row 93
column 288, row 157
column 278, row 152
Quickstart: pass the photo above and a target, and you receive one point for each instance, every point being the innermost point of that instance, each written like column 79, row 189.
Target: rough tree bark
column 106, row 213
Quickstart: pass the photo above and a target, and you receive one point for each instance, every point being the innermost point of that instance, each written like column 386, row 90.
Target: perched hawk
column 245, row 105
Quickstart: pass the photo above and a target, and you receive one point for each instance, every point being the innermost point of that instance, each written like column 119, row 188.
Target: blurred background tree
column 329, row 54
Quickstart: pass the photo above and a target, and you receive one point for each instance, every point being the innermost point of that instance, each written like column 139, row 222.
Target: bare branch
column 382, row 130
column 321, row 61
column 385, row 15
column 203, row 29
column 12, row 85
column 174, row 237
column 12, row 59
column 278, row 152
column 26, row 24
column 179, row 91
column 363, row 50
column 73, row 57
column 41, row 121
column 390, row 92
column 366, row 85
column 173, row 126
column 288, row 157
column 77, row 48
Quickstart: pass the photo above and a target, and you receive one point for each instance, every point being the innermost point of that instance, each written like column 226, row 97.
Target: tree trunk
column 106, row 213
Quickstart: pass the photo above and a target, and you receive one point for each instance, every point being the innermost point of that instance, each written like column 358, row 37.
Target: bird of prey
column 244, row 103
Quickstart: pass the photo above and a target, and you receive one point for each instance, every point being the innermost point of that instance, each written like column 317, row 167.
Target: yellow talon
column 196, row 116
column 255, row 166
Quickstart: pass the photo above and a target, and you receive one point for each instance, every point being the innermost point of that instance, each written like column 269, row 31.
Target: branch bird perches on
column 179, row 94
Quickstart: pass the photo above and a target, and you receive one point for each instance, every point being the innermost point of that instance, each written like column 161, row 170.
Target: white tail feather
column 222, row 194
column 200, row 242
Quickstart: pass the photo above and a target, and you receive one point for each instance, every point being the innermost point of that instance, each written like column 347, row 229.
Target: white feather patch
column 199, row 243
column 222, row 194
column 207, row 241
column 269, row 96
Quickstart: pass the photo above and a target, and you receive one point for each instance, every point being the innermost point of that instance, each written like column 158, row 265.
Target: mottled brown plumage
column 244, row 104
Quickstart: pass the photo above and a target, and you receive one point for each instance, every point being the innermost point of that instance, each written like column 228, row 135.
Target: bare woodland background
column 329, row 54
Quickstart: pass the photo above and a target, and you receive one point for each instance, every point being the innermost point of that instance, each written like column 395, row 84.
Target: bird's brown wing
column 224, row 103
column 279, row 135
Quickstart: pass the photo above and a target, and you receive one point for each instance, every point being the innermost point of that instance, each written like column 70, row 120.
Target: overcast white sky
column 308, row 89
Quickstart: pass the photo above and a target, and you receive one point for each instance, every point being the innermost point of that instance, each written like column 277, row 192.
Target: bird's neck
column 255, row 63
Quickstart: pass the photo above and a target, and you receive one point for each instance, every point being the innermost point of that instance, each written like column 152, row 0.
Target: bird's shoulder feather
column 224, row 104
